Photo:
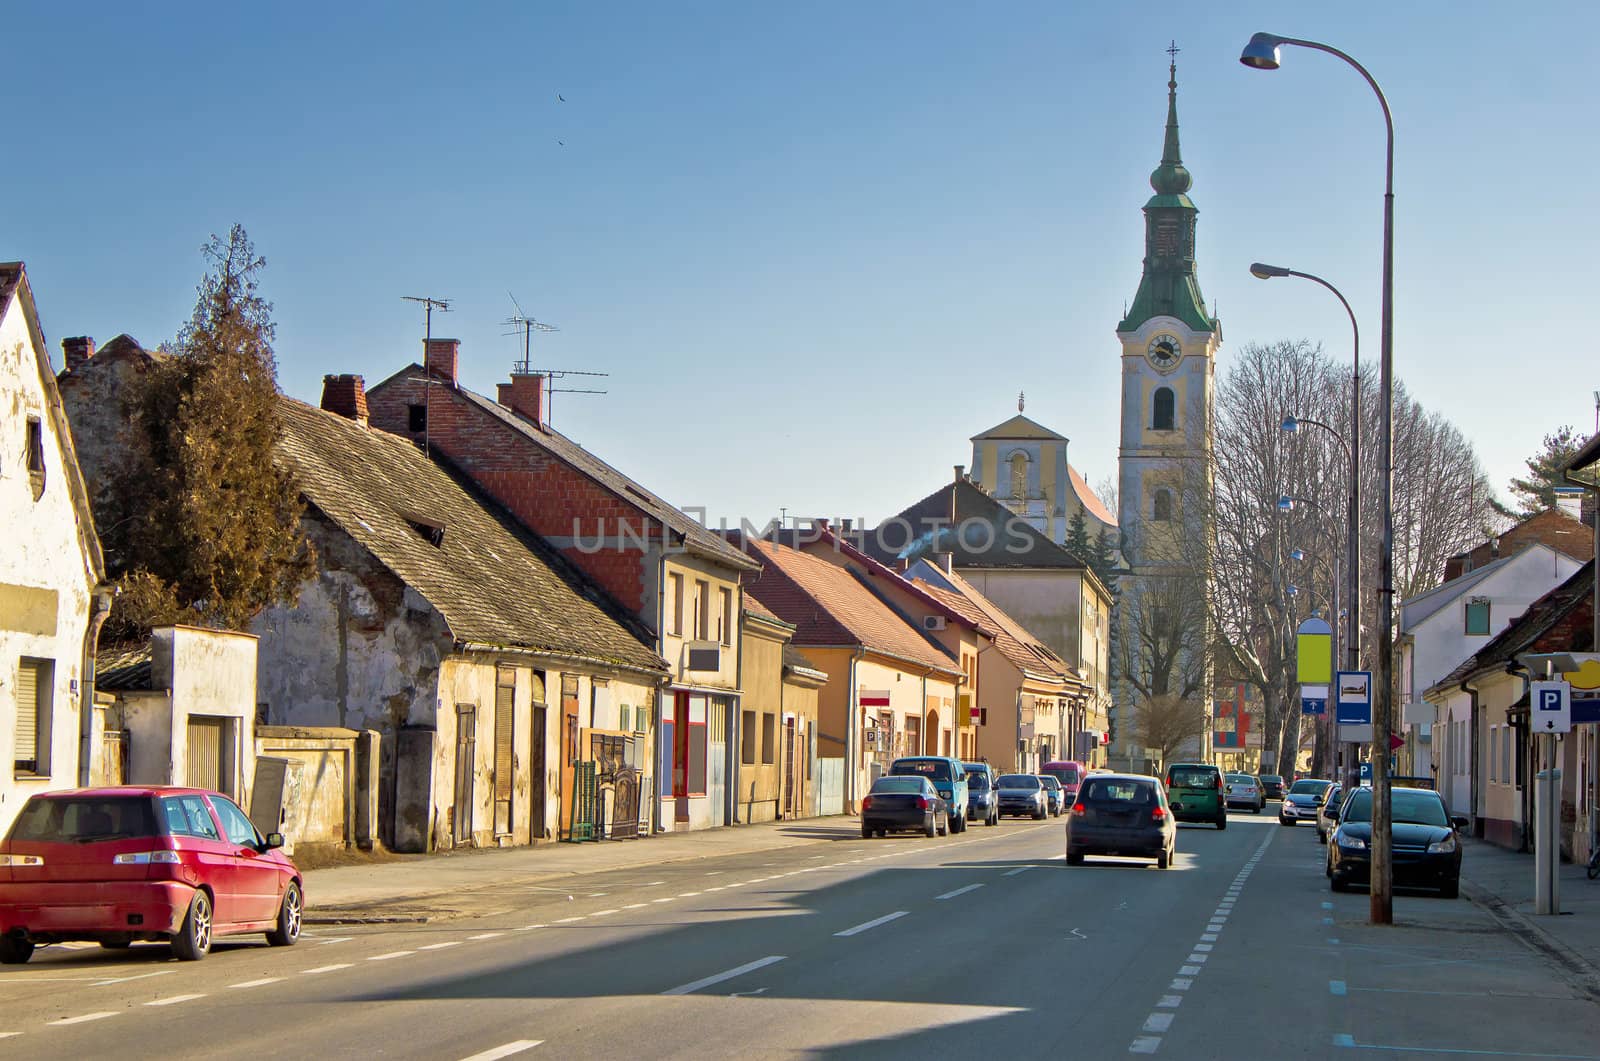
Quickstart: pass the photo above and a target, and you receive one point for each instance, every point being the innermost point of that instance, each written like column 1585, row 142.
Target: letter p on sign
column 1552, row 707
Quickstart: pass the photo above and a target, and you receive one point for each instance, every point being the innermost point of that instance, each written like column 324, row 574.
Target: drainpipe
column 100, row 605
column 852, row 734
column 1475, row 765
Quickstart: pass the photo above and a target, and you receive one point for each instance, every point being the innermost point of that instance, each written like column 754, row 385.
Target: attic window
column 35, row 456
column 1478, row 616
column 431, row 533
column 417, row 417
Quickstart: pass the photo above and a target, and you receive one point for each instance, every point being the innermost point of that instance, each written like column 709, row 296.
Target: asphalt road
column 983, row 945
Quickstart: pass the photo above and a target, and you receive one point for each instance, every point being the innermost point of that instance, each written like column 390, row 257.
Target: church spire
column 1171, row 178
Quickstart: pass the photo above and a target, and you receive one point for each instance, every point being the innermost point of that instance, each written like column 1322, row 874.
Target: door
column 255, row 875
column 205, row 753
column 569, row 749
column 790, row 767
column 466, row 770
column 504, row 761
column 204, row 849
column 536, row 760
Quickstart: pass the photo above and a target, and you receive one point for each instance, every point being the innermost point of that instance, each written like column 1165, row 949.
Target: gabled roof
column 1019, row 427
column 795, row 662
column 699, row 539
column 10, row 278
column 830, row 607
column 875, row 570
column 1423, row 605
column 986, row 533
column 495, row 583
column 1541, row 617
column 1026, row 652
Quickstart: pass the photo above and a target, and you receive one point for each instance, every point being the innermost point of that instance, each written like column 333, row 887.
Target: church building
column 1023, row 465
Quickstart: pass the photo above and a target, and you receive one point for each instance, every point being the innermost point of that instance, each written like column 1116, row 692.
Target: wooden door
column 570, row 752
column 536, row 769
column 505, row 714
column 466, row 771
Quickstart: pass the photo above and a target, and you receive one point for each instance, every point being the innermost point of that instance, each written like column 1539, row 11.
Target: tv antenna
column 429, row 305
column 527, row 325
column 553, row 374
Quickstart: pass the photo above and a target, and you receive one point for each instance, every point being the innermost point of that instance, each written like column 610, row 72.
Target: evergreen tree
column 1536, row 491
column 1077, row 542
column 207, row 528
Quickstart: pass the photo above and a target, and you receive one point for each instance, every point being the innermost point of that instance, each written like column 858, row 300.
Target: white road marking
column 1189, row 970
column 440, row 946
column 653, row 883
column 687, row 895
column 86, row 1018
column 630, row 906
column 1209, row 937
column 568, row 920
column 326, row 969
column 9, row 1035
column 507, row 1050
column 1145, row 1044
column 335, row 939
column 747, row 967
column 720, row 887
column 597, row 895
column 391, row 954
column 1181, row 983
column 1170, row 1002
column 486, row 935
column 668, row 899
column 530, row 928
column 1197, row 959
column 1158, row 1022
column 174, row 1000
column 959, row 891
column 874, row 923
column 125, row 979
column 263, row 982
column 597, row 913
column 1204, row 947
column 1014, row 872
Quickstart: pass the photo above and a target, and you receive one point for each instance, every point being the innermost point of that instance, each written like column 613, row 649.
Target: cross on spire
column 1020, row 397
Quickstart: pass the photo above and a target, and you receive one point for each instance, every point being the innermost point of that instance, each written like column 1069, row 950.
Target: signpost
column 1353, row 705
column 1314, row 700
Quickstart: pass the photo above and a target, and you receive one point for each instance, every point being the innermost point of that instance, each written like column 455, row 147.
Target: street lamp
column 1261, row 53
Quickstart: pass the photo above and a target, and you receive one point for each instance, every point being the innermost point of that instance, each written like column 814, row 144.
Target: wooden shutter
column 504, row 720
column 205, row 753
column 27, row 756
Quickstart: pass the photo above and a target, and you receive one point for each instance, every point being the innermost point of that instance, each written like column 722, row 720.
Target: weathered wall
column 800, row 704
column 212, row 674
column 760, row 776
column 325, row 795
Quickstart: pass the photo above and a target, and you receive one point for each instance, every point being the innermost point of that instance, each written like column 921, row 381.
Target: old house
column 506, row 686
column 778, row 720
column 51, row 573
column 678, row 579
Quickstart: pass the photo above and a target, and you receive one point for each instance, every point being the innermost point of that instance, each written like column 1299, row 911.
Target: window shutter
column 27, row 755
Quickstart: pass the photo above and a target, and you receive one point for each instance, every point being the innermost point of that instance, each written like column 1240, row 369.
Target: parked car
column 1245, row 791
column 982, row 803
column 1122, row 814
column 1070, row 773
column 1054, row 795
column 1328, row 816
column 901, row 803
column 1425, row 850
column 118, row 866
column 949, row 777
column 1195, row 793
column 1272, row 785
column 1021, row 794
column 1303, row 801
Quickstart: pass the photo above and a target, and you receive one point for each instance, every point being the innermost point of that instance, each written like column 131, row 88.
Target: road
column 979, row 945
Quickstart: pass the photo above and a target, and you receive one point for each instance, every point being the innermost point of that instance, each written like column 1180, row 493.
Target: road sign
column 1314, row 651
column 1396, row 743
column 1552, row 707
column 1366, row 773
column 1313, row 699
column 1353, row 697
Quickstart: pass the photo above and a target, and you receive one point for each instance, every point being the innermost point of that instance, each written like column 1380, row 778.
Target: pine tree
column 209, row 525
column 1536, row 491
column 1077, row 542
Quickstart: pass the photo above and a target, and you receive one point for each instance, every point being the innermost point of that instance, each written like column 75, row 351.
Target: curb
column 1585, row 972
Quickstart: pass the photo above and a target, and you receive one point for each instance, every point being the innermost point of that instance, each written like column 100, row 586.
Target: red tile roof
column 1091, row 500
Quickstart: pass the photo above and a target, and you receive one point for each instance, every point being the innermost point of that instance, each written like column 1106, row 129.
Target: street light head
column 1285, row 503
column 1262, row 271
column 1290, row 424
column 1262, row 51
column 1296, row 554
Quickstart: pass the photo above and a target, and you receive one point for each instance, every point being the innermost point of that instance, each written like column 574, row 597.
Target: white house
column 51, row 571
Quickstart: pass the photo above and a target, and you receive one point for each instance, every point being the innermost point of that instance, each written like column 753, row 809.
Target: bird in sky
column 562, row 143
column 560, row 98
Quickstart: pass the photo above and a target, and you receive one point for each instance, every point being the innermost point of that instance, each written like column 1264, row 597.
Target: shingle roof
column 1421, row 606
column 829, row 606
column 492, row 581
column 10, row 276
column 123, row 666
column 986, row 534
column 1528, row 628
column 705, row 541
column 794, row 659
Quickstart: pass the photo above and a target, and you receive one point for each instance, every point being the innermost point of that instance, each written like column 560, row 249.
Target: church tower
column 1169, row 344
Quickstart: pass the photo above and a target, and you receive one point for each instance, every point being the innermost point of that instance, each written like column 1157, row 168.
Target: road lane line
column 391, row 954
column 1204, row 947
column 486, row 935
column 1158, row 1022
column 1145, row 1044
column 440, row 946
column 496, row 1053
column 687, row 895
column 1181, row 983
column 1169, row 1002
column 668, row 899
column 874, row 923
column 569, row 920
column 174, row 1000
column 747, row 967
column 630, row 906
column 335, row 939
column 1197, row 959
column 1209, row 937
column 326, row 969
column 604, row 913
column 1189, row 970
column 1014, row 872
column 263, row 982
column 84, row 1019
column 959, row 891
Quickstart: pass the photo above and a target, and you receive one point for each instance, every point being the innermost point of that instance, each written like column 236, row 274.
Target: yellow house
column 777, row 726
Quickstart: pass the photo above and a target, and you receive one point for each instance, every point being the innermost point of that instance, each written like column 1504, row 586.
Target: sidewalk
column 1503, row 881
column 456, row 883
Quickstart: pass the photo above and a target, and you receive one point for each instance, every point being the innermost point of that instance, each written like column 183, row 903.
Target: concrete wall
column 45, row 575
column 1046, row 602
column 327, row 787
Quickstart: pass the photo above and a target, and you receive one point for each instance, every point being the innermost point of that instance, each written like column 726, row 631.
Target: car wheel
column 290, row 914
column 15, row 950
column 1074, row 858
column 959, row 825
column 866, row 832
column 944, row 829
column 1320, row 838
column 193, row 940
column 1337, row 883
column 1451, row 890
column 1284, row 821
column 1164, row 859
column 1222, row 821
column 931, row 828
column 1038, row 815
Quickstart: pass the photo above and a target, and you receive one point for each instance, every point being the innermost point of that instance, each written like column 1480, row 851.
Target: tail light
column 1219, row 782
column 145, row 858
column 1158, row 814
column 21, row 860
column 922, row 802
column 1079, row 810
column 866, row 803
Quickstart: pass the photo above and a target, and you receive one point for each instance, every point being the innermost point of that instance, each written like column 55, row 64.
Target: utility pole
column 429, row 305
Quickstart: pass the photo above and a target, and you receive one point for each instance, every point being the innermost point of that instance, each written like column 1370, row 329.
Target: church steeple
column 1169, row 286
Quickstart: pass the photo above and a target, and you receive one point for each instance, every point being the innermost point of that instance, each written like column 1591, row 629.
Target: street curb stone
column 1584, row 973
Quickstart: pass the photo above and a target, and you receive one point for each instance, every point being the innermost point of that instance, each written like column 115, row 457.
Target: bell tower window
column 1161, row 509
column 1162, row 410
column 1019, row 475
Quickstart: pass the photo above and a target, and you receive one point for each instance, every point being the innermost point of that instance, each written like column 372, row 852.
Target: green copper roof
column 1169, row 287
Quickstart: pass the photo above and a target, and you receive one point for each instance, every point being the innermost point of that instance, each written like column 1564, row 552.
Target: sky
column 816, row 247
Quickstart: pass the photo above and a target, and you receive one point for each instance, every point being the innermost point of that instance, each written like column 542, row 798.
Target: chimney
column 76, row 350
column 347, row 396
column 443, row 358
column 524, row 395
column 961, row 472
column 1455, row 567
column 1569, row 500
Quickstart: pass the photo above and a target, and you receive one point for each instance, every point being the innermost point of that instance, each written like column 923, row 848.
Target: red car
column 120, row 865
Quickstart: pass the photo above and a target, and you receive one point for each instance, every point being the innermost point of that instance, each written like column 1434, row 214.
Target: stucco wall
column 760, row 782
column 1048, row 604
column 45, row 580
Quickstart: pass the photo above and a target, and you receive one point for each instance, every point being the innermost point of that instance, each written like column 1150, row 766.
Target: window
column 235, row 824
column 36, row 456
column 675, row 605
column 1019, row 475
column 188, row 816
column 1505, row 756
column 702, row 617
column 1494, row 753
column 35, row 688
column 1163, row 414
column 769, row 737
column 1161, row 510
column 417, row 417
column 747, row 737
column 725, row 633
column 1478, row 616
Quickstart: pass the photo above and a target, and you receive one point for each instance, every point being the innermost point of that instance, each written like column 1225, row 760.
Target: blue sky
column 816, row 246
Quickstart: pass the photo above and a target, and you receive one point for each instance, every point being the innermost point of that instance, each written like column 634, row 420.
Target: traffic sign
column 1552, row 707
column 1396, row 743
column 1353, row 697
column 1366, row 773
column 1313, row 699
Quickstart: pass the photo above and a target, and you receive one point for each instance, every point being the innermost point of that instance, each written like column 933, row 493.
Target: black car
column 1426, row 850
column 901, row 804
column 1272, row 785
column 1122, row 814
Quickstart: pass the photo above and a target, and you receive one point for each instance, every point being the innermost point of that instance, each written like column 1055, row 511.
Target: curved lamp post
column 1262, row 53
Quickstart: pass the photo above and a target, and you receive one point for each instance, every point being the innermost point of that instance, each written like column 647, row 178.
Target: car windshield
column 937, row 769
column 1049, row 782
column 1066, row 773
column 1309, row 788
column 1241, row 779
column 1125, row 792
column 1272, row 779
column 1192, row 777
column 979, row 780
column 1017, row 781
column 1407, row 806
column 85, row 819
column 897, row 784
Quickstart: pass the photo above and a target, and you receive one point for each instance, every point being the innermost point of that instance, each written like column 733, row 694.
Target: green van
column 1195, row 792
column 948, row 775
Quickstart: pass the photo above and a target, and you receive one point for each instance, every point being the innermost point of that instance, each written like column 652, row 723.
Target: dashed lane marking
column 717, row 978
column 506, row 1050
column 1014, row 872
column 874, row 923
column 486, row 935
column 959, row 891
column 1169, row 1002
column 264, row 981
column 174, row 1000
column 1145, row 1044
column 326, row 969
column 125, row 979
column 84, row 1019
column 440, row 946
column 568, row 920
column 391, row 954
column 1158, row 1022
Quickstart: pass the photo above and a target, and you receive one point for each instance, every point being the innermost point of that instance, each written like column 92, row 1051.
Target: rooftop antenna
column 429, row 305
column 553, row 374
column 528, row 326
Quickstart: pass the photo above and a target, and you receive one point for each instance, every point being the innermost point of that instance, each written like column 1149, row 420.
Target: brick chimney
column 76, row 350
column 524, row 395
column 347, row 396
column 444, row 356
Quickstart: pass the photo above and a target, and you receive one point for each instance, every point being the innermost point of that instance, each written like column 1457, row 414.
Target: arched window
column 1161, row 512
column 1162, row 413
column 1019, row 475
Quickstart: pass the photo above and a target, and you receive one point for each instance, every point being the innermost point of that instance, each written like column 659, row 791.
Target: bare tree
column 1167, row 723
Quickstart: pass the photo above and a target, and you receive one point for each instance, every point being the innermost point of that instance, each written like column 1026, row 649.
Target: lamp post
column 1261, row 53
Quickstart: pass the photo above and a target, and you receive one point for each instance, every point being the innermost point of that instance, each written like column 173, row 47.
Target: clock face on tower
column 1164, row 353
